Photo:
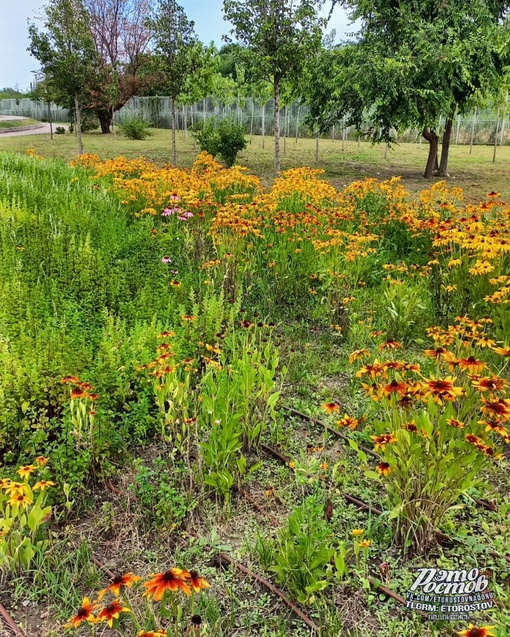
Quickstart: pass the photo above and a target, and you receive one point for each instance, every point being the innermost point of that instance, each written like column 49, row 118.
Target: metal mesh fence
column 480, row 127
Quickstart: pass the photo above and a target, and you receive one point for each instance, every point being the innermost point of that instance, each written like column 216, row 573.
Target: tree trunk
column 105, row 121
column 433, row 141
column 445, row 148
column 276, row 126
column 174, row 148
column 78, row 124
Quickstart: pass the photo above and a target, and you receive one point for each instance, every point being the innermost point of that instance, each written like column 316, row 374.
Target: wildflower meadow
column 235, row 409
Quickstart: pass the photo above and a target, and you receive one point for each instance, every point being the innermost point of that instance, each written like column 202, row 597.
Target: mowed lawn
column 475, row 173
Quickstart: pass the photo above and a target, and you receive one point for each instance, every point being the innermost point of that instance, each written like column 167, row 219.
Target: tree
column 280, row 35
column 176, row 53
column 413, row 62
column 122, row 39
column 66, row 52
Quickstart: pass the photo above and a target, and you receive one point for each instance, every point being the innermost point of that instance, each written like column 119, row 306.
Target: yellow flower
column 43, row 485
column 364, row 544
column 21, row 500
column 26, row 471
column 357, row 532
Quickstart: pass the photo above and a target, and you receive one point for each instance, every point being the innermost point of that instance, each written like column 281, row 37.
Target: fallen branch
column 387, row 591
column 102, row 567
column 272, row 588
column 276, row 454
column 10, row 622
column 362, row 505
column 332, row 431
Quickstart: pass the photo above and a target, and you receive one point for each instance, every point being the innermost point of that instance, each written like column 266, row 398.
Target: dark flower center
column 194, row 574
column 169, row 577
column 196, row 620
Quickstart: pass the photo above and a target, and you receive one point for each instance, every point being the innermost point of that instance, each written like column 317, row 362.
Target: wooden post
column 49, row 120
column 386, row 151
column 317, row 147
column 472, row 131
column 333, row 133
column 285, row 129
column 344, row 132
column 297, row 122
column 458, row 130
column 496, row 139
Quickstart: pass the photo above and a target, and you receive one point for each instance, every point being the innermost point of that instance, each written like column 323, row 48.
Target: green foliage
column 135, row 128
column 60, row 130
column 306, row 552
column 159, row 497
column 223, row 137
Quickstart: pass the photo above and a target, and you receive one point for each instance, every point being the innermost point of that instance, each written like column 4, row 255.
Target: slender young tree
column 65, row 49
column 176, row 53
column 280, row 35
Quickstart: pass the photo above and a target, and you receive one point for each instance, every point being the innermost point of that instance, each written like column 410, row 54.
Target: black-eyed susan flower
column 172, row 580
column 84, row 614
column 357, row 354
column 472, row 631
column 383, row 468
column 197, row 583
column 442, row 389
column 77, row 392
column 330, row 407
column 472, row 364
column 497, row 408
column 491, row 383
column 118, row 582
column 21, row 500
column 384, row 439
column 26, row 471
column 42, row 485
column 453, row 422
column 112, row 612
column 357, row 532
column 70, row 380
column 502, row 351
column 348, row 421
column 364, row 544
column 41, row 460
column 395, row 387
column 389, row 344
column 152, row 633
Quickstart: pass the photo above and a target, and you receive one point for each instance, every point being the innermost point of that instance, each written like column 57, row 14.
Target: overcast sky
column 16, row 64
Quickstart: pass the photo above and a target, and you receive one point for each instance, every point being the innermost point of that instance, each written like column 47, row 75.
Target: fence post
column 496, row 139
column 297, row 122
column 317, row 147
column 472, row 131
column 458, row 130
column 263, row 125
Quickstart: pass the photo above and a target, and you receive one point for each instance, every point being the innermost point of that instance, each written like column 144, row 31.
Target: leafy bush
column 135, row 128
column 60, row 130
column 223, row 137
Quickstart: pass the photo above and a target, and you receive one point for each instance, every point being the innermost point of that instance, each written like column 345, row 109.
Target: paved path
column 45, row 128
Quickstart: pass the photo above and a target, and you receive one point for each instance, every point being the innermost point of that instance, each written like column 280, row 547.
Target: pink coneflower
column 166, row 260
column 171, row 211
column 185, row 216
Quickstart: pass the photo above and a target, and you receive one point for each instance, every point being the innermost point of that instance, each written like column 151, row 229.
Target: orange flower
column 152, row 633
column 128, row 579
column 483, row 631
column 357, row 354
column 474, row 440
column 84, row 614
column 43, row 485
column 188, row 318
column 198, row 583
column 70, row 379
column 410, row 426
column 172, row 580
column 77, row 392
column 383, row 468
column 348, row 421
column 395, row 387
column 472, row 364
column 497, row 408
column 41, row 460
column 364, row 544
column 503, row 351
column 491, row 383
column 439, row 352
column 389, row 344
column 442, row 388
column 166, row 334
column 330, row 407
column 382, row 440
column 455, row 423
column 112, row 612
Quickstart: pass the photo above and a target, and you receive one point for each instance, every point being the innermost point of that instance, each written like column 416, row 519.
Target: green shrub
column 223, row 137
column 60, row 130
column 135, row 128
